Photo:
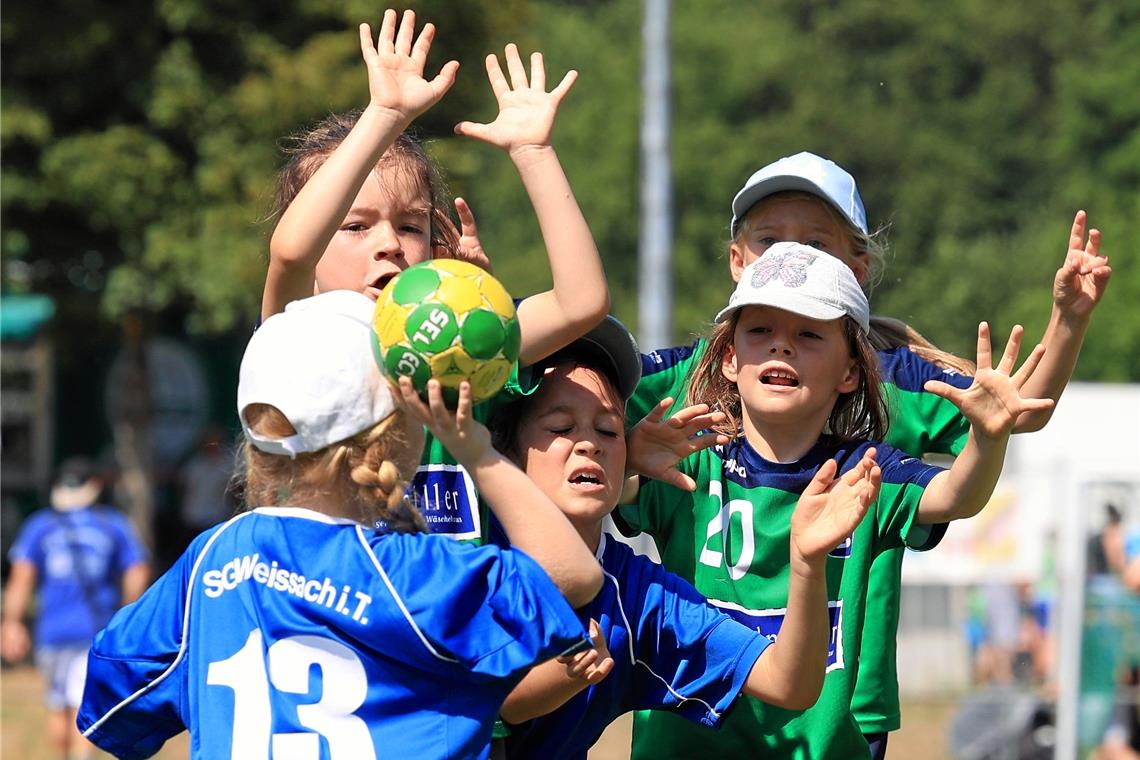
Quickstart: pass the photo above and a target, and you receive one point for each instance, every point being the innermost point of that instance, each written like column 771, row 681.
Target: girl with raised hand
column 299, row 629
column 657, row 643
column 808, row 199
column 790, row 364
column 360, row 201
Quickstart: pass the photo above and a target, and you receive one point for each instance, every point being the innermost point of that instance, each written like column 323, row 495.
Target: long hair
column 308, row 150
column 368, row 472
column 887, row 333
column 860, row 414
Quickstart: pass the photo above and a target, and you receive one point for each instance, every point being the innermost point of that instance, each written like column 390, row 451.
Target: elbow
column 587, row 309
column 585, row 586
column 802, row 695
column 514, row 712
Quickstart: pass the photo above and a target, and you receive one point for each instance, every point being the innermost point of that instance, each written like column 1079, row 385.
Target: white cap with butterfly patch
column 803, row 280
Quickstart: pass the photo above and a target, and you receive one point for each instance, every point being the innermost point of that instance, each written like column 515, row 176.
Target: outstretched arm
column 398, row 93
column 580, row 296
column 552, row 684
column 790, row 672
column 993, row 403
column 1077, row 289
column 530, row 519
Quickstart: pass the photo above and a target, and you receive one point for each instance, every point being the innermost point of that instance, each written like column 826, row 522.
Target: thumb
column 944, row 390
column 821, row 481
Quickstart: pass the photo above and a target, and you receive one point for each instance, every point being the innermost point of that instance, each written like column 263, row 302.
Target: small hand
column 591, row 665
column 466, row 438
column 470, row 247
column 993, row 401
column 14, row 641
column 656, row 445
column 526, row 109
column 830, row 509
column 396, row 67
column 1082, row 279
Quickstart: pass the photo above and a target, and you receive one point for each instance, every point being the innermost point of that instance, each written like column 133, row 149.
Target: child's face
column 572, row 443
column 789, row 368
column 793, row 219
column 387, row 230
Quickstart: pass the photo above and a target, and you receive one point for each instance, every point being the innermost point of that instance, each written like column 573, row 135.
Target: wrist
column 531, row 154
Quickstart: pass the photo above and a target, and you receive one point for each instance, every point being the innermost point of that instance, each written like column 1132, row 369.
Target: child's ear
column 736, row 261
column 728, row 364
column 850, row 381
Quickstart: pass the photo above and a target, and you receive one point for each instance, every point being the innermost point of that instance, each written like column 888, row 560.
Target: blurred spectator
column 1106, row 549
column 86, row 560
column 204, row 484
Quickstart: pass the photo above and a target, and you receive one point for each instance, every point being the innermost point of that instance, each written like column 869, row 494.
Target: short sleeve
column 921, row 422
column 493, row 611
column 664, row 372
column 896, row 513
column 131, row 550
column 697, row 658
column 136, row 679
column 28, row 546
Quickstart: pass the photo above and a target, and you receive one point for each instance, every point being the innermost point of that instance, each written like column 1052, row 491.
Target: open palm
column 396, row 67
column 831, row 508
column 1082, row 279
column 526, row 109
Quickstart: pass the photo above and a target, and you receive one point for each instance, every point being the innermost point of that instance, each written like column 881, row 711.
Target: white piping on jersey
column 632, row 657
column 185, row 626
column 400, row 602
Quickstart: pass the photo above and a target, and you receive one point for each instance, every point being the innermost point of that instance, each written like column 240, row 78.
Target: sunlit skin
column 572, row 445
column 790, row 370
column 794, row 219
column 387, row 230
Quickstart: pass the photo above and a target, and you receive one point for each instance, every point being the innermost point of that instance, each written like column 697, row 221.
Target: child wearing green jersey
column 360, row 201
column 791, row 366
column 808, row 199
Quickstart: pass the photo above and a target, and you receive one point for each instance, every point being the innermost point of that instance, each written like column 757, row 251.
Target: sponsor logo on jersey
column 768, row 622
column 843, row 551
column 446, row 498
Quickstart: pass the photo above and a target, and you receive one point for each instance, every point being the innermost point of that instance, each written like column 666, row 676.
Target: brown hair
column 362, row 471
column 309, row 150
column 858, row 415
column 887, row 333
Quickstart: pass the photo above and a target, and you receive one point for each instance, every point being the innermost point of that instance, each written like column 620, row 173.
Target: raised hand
column 993, row 401
column 656, row 445
column 395, row 65
column 466, row 438
column 1082, row 279
column 830, row 509
column 526, row 109
column 592, row 665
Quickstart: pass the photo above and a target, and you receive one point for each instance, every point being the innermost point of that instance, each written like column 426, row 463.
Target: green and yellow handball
column 449, row 320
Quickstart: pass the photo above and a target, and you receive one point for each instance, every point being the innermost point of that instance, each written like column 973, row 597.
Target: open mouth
column 587, row 478
column 780, row 377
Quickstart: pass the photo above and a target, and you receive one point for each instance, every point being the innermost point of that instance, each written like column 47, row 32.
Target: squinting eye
column 560, row 431
column 413, row 229
column 809, row 334
column 354, row 227
column 768, row 242
column 608, row 433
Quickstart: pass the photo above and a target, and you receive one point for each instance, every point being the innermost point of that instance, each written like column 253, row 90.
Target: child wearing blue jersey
column 296, row 628
column 790, row 364
column 808, row 199
column 657, row 643
column 360, row 201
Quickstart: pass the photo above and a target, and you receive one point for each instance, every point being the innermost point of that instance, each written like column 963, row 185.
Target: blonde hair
column 886, row 333
column 860, row 414
column 363, row 472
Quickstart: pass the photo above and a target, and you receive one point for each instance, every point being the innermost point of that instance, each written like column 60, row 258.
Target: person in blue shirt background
column 82, row 560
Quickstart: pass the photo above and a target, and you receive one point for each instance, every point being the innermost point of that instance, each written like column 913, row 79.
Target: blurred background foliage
column 141, row 138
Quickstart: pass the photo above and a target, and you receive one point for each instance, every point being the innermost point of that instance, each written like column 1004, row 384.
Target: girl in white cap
column 297, row 625
column 808, row 199
column 791, row 366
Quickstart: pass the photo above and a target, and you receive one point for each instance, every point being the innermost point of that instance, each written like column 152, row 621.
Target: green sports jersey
column 921, row 423
column 731, row 539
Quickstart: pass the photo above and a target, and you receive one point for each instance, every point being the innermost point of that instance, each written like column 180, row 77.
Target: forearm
column 18, row 591
column 966, row 487
column 536, row 526
column 544, row 689
column 311, row 219
column 1062, row 340
column 790, row 672
column 135, row 581
column 580, row 297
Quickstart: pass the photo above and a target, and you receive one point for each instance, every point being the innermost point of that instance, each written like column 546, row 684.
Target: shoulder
column 906, row 370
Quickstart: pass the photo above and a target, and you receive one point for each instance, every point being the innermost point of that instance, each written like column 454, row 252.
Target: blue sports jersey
column 286, row 632
column 80, row 558
column 672, row 651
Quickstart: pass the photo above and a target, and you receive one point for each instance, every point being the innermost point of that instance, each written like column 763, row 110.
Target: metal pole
column 655, row 281
column 1071, row 572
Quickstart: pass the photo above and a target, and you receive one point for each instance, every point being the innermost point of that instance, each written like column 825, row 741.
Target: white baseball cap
column 803, row 280
column 314, row 363
column 809, row 173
